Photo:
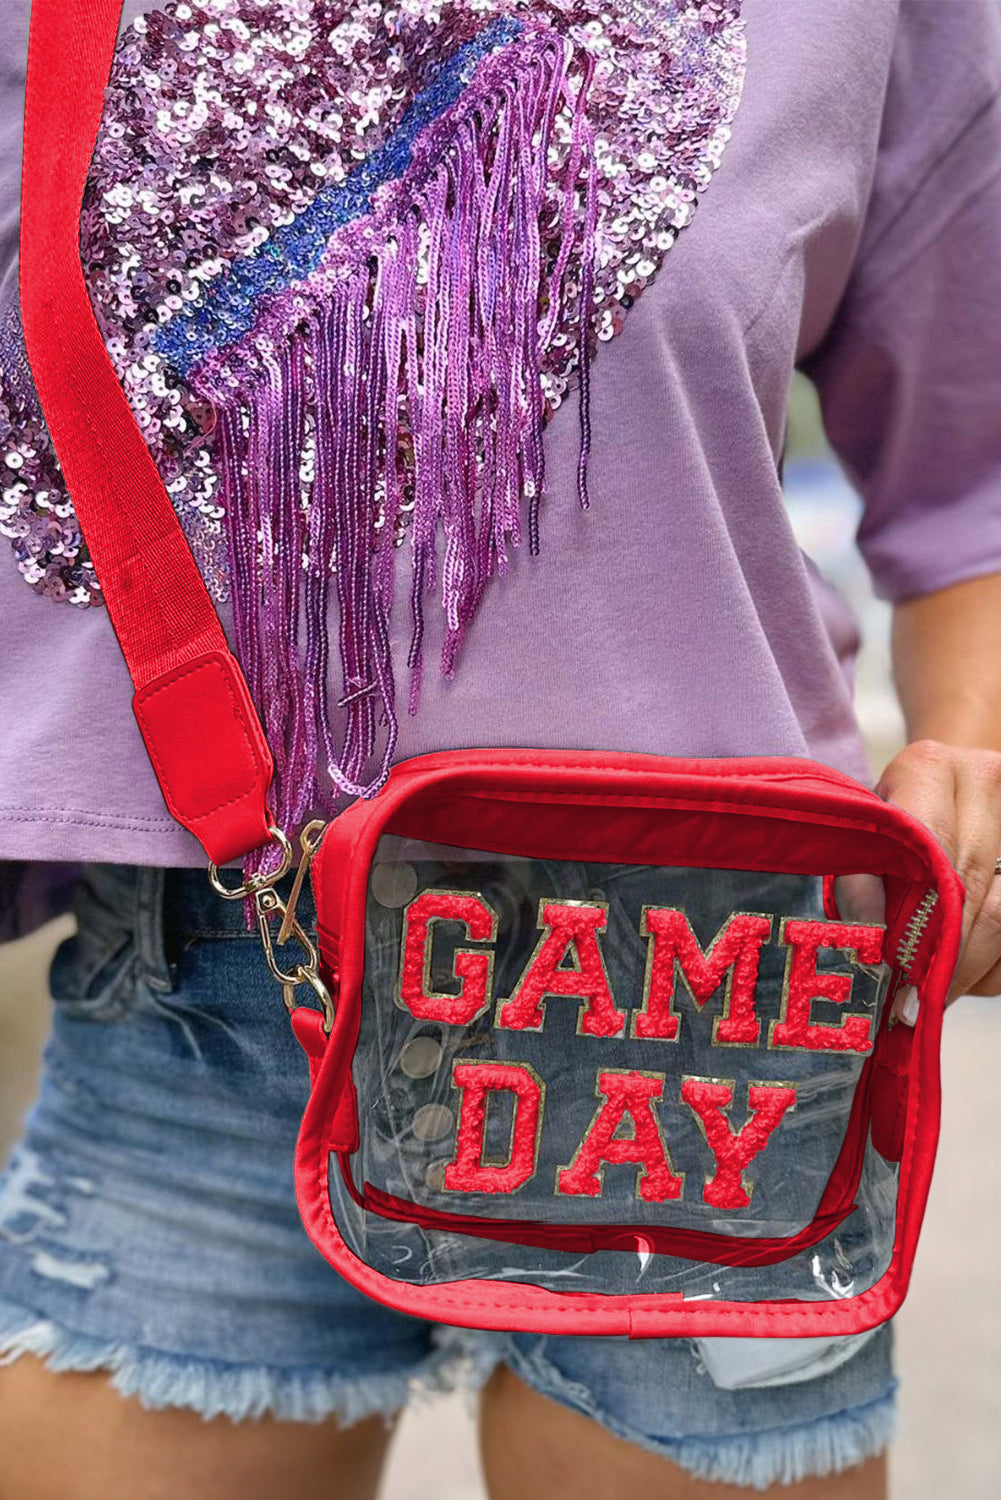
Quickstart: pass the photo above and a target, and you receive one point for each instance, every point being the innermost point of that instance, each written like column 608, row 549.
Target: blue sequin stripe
column 294, row 250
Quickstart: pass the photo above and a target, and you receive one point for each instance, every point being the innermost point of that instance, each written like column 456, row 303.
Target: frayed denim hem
column 785, row 1455
column 752, row 1460
column 214, row 1388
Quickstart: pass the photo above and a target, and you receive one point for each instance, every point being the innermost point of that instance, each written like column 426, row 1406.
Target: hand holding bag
column 596, row 1051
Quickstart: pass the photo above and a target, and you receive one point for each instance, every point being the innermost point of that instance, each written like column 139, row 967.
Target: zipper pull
column 309, row 842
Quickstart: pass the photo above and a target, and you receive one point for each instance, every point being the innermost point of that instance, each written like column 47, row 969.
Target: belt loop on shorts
column 151, row 948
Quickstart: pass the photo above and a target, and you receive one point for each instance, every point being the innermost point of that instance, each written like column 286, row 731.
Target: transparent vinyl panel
column 604, row 1059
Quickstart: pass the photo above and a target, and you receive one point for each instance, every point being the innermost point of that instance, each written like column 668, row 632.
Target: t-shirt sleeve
column 909, row 373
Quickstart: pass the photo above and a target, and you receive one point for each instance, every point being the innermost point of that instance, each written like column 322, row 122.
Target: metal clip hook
column 309, row 842
column 268, row 904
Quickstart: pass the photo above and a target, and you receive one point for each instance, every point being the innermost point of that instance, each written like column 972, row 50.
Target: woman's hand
column 956, row 792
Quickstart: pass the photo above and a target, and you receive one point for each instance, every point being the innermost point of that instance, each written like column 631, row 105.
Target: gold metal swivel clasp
column 268, row 905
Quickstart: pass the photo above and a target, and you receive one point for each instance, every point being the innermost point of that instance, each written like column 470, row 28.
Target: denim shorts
column 148, row 1226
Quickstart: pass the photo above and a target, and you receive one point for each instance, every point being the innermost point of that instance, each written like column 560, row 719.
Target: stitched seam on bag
column 486, row 791
column 601, row 799
column 825, row 819
column 591, row 765
column 896, row 832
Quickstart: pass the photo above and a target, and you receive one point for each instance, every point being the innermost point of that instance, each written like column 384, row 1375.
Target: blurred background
column 949, row 1332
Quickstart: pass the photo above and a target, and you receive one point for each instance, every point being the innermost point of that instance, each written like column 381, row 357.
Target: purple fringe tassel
column 404, row 377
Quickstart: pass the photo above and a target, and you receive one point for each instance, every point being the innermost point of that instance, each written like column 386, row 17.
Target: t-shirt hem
column 80, row 836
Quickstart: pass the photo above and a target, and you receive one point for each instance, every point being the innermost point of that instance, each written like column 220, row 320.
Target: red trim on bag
column 830, row 903
column 690, row 1244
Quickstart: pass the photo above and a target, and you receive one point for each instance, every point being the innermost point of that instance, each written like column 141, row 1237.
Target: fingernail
column 907, row 1005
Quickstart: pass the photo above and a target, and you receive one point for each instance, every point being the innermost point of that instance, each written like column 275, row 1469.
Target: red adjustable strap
column 191, row 701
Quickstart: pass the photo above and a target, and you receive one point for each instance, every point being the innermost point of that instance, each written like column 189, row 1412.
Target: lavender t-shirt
column 853, row 230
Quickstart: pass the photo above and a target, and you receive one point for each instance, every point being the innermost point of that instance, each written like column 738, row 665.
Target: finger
column 922, row 780
column 978, row 826
column 957, row 795
column 989, row 985
column 981, row 955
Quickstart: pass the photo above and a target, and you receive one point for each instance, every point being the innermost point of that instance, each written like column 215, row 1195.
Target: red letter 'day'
column 468, row 1172
column 628, row 1099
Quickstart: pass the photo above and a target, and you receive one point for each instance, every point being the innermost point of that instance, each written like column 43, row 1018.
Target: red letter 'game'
column 735, row 952
column 803, row 985
column 570, row 927
column 474, row 969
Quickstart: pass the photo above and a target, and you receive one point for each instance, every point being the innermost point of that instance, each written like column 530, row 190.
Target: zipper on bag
column 914, row 931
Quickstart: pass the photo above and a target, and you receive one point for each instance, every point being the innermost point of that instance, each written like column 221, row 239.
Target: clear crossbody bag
column 603, row 1054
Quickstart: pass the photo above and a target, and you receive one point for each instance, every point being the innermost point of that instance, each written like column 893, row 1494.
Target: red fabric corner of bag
column 307, row 1026
column 342, row 1134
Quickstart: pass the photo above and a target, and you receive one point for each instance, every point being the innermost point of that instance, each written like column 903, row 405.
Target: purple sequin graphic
column 347, row 261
